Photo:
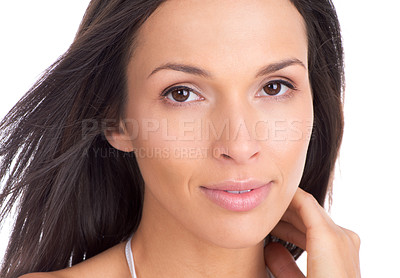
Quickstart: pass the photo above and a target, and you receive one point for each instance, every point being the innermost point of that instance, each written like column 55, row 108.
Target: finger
column 288, row 232
column 293, row 218
column 280, row 262
column 309, row 210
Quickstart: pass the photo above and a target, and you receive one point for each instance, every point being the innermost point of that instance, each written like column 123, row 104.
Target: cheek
column 167, row 164
column 291, row 164
column 291, row 150
column 289, row 146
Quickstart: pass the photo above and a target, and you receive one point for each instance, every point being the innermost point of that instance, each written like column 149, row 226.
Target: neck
column 162, row 247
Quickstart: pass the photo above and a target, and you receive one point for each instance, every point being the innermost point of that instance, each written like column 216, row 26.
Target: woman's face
column 241, row 111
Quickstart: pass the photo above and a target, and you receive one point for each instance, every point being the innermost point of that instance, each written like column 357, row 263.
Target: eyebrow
column 203, row 73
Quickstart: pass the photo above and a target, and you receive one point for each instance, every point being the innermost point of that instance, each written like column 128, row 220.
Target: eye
column 277, row 88
column 181, row 94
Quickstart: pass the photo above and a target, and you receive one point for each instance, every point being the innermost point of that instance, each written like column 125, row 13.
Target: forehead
column 221, row 34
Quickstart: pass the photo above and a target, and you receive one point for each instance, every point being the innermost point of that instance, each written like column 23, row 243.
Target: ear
column 119, row 138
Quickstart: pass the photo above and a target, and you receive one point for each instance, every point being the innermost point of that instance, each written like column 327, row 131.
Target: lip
column 237, row 202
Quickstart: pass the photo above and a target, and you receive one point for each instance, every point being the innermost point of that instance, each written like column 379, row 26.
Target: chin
column 235, row 242
column 241, row 235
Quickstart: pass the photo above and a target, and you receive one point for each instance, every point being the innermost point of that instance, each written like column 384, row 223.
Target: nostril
column 225, row 156
column 255, row 155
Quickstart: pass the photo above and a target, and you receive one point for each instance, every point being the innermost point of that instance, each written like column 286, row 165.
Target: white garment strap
column 270, row 275
column 129, row 258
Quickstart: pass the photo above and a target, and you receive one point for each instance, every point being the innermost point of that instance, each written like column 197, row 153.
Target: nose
column 235, row 142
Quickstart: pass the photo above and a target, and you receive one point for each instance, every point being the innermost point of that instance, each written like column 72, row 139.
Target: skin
column 182, row 233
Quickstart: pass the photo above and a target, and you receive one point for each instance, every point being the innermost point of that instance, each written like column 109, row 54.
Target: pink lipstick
column 236, row 195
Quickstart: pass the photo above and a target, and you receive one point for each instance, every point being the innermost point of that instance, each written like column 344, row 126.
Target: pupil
column 180, row 95
column 273, row 89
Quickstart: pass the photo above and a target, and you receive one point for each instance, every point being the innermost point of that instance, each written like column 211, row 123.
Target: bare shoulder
column 56, row 274
column 39, row 275
column 110, row 263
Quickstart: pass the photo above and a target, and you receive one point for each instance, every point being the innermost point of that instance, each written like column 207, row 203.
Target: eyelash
column 286, row 83
column 165, row 93
column 288, row 94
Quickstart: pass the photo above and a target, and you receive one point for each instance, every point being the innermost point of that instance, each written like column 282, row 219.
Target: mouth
column 236, row 195
column 238, row 192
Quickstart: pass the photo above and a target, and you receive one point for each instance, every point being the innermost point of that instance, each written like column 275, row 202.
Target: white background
column 34, row 33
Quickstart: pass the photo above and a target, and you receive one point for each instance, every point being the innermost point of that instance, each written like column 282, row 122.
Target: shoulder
column 40, row 275
column 110, row 263
column 65, row 273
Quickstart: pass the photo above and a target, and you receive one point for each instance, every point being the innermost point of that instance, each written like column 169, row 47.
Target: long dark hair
column 73, row 202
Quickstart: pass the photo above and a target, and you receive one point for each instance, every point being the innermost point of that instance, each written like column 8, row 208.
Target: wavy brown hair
column 73, row 203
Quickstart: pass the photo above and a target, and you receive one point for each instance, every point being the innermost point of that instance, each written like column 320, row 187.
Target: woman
column 173, row 137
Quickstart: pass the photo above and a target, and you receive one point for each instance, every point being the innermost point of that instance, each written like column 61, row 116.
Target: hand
column 332, row 251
